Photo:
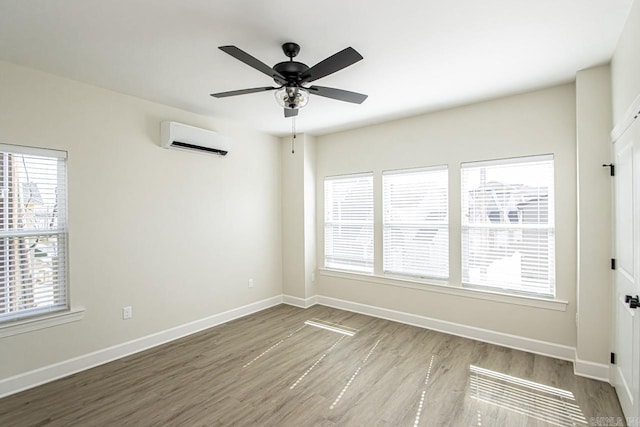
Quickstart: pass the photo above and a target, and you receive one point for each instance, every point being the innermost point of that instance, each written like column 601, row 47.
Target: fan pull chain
column 293, row 133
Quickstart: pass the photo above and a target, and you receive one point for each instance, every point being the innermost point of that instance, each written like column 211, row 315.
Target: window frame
column 549, row 227
column 440, row 225
column 367, row 268
column 27, row 316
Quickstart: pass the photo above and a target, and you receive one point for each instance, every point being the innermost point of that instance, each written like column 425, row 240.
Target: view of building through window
column 508, row 225
column 33, row 232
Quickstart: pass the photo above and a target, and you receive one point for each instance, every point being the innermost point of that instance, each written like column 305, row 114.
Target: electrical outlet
column 251, row 283
column 127, row 312
column 313, row 276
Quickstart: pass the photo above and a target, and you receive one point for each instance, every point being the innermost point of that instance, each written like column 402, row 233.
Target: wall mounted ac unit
column 185, row 137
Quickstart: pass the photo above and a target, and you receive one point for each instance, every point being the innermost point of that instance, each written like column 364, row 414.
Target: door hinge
column 612, row 168
column 613, row 358
column 613, row 263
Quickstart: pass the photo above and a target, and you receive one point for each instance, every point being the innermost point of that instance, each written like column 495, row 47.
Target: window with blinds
column 348, row 222
column 415, row 222
column 33, row 232
column 508, row 225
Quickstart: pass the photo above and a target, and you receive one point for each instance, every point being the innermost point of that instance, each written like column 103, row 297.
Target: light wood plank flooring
column 270, row 369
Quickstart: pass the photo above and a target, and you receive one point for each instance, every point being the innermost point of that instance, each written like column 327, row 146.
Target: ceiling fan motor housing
column 291, row 70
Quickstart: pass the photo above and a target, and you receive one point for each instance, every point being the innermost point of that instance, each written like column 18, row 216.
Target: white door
column 626, row 370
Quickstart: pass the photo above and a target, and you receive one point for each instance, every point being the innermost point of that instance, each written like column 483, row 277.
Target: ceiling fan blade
column 334, row 63
column 242, row 91
column 290, row 112
column 243, row 56
column 339, row 94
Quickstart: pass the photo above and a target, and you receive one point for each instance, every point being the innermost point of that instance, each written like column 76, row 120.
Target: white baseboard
column 53, row 372
column 543, row 348
column 582, row 368
column 595, row 371
column 299, row 302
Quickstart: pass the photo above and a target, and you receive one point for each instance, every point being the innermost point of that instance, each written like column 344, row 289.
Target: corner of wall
column 594, row 225
column 299, row 217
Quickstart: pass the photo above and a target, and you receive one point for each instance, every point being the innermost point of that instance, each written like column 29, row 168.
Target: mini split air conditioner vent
column 185, row 137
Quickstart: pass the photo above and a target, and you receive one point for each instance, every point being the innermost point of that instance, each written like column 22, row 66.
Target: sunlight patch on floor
column 353, row 377
column 274, row 346
column 541, row 402
column 316, row 363
column 334, row 327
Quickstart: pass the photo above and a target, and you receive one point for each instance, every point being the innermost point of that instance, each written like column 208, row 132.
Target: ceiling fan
column 292, row 77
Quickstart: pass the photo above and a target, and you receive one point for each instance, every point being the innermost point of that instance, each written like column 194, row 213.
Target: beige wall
column 310, row 254
column 298, row 216
column 625, row 65
column 533, row 123
column 174, row 234
column 593, row 121
column 293, row 245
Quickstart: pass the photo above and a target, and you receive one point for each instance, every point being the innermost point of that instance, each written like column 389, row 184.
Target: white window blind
column 33, row 232
column 415, row 222
column 348, row 222
column 508, row 225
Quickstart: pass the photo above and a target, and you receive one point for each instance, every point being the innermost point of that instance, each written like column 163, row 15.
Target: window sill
column 41, row 322
column 443, row 288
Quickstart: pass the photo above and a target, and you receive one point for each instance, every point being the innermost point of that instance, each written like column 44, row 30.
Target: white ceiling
column 419, row 55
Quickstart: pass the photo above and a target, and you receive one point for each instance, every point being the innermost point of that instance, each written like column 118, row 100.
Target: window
column 348, row 222
column 415, row 222
column 33, row 232
column 508, row 225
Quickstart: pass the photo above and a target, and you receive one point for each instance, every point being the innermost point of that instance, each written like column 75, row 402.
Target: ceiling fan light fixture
column 292, row 97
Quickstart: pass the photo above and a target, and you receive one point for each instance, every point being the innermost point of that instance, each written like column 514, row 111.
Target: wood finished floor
column 270, row 369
